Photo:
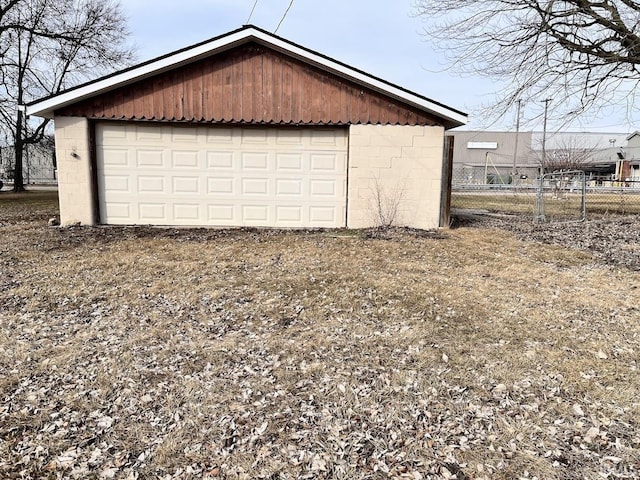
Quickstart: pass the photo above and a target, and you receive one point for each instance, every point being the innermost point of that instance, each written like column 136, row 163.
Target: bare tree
column 567, row 153
column 47, row 46
column 584, row 53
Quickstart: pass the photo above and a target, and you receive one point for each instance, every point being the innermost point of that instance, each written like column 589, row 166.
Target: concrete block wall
column 400, row 164
column 73, row 154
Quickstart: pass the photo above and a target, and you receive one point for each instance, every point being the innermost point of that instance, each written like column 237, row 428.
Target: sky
column 381, row 37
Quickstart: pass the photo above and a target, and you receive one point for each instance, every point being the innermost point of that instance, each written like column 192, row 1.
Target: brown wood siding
column 252, row 85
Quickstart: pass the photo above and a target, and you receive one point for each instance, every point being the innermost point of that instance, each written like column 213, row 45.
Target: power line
column 251, row 14
column 283, row 17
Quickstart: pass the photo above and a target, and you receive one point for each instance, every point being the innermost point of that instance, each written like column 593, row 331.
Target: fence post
column 539, row 215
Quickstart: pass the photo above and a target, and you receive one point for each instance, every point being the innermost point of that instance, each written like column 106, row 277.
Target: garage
column 249, row 129
column 176, row 175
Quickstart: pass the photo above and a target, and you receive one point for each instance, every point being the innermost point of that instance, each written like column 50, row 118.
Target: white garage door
column 168, row 175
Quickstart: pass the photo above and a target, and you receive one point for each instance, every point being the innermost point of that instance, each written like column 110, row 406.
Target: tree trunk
column 18, row 182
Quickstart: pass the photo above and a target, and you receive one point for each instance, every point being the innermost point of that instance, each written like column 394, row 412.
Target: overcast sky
column 381, row 37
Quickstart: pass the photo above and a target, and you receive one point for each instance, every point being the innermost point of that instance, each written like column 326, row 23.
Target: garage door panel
column 151, row 184
column 289, row 137
column 220, row 186
column 144, row 133
column 182, row 135
column 150, row 158
column 118, row 131
column 152, row 212
column 292, row 187
column 325, row 138
column 285, row 214
column 326, row 215
column 254, row 136
column 325, row 163
column 219, row 136
column 219, row 160
column 227, row 177
column 255, row 186
column 119, row 211
column 186, row 212
column 185, row 159
column 117, row 184
column 255, row 214
column 186, row 185
column 116, row 157
column 289, row 162
column 220, row 214
column 323, row 188
column 255, row 161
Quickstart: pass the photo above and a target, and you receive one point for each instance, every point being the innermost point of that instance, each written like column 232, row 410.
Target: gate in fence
column 561, row 197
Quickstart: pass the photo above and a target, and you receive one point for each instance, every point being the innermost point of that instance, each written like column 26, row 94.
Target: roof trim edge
column 45, row 107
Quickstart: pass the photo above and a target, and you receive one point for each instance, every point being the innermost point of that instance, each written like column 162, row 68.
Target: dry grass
column 161, row 353
column 507, row 202
column 568, row 205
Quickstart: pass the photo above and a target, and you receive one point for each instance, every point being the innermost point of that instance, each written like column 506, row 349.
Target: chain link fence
column 561, row 197
column 478, row 189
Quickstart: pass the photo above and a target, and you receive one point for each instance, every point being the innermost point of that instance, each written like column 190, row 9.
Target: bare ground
column 468, row 354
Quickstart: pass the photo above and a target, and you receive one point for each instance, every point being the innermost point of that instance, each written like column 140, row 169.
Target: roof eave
column 47, row 106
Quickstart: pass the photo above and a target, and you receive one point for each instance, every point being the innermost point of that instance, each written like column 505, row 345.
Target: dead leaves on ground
column 288, row 355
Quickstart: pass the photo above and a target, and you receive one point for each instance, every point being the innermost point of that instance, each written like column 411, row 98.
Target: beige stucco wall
column 73, row 155
column 401, row 165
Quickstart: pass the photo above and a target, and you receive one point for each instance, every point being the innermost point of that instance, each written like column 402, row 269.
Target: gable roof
column 47, row 106
column 634, row 134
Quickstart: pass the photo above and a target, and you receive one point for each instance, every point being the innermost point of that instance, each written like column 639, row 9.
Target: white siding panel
column 176, row 175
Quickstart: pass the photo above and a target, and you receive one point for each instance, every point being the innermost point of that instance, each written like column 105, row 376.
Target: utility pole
column 544, row 133
column 515, row 149
column 539, row 215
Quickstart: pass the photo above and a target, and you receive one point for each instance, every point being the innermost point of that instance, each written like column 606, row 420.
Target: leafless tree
column 47, row 46
column 567, row 153
column 583, row 54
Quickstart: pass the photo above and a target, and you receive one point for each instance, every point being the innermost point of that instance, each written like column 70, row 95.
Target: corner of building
column 75, row 179
column 395, row 171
